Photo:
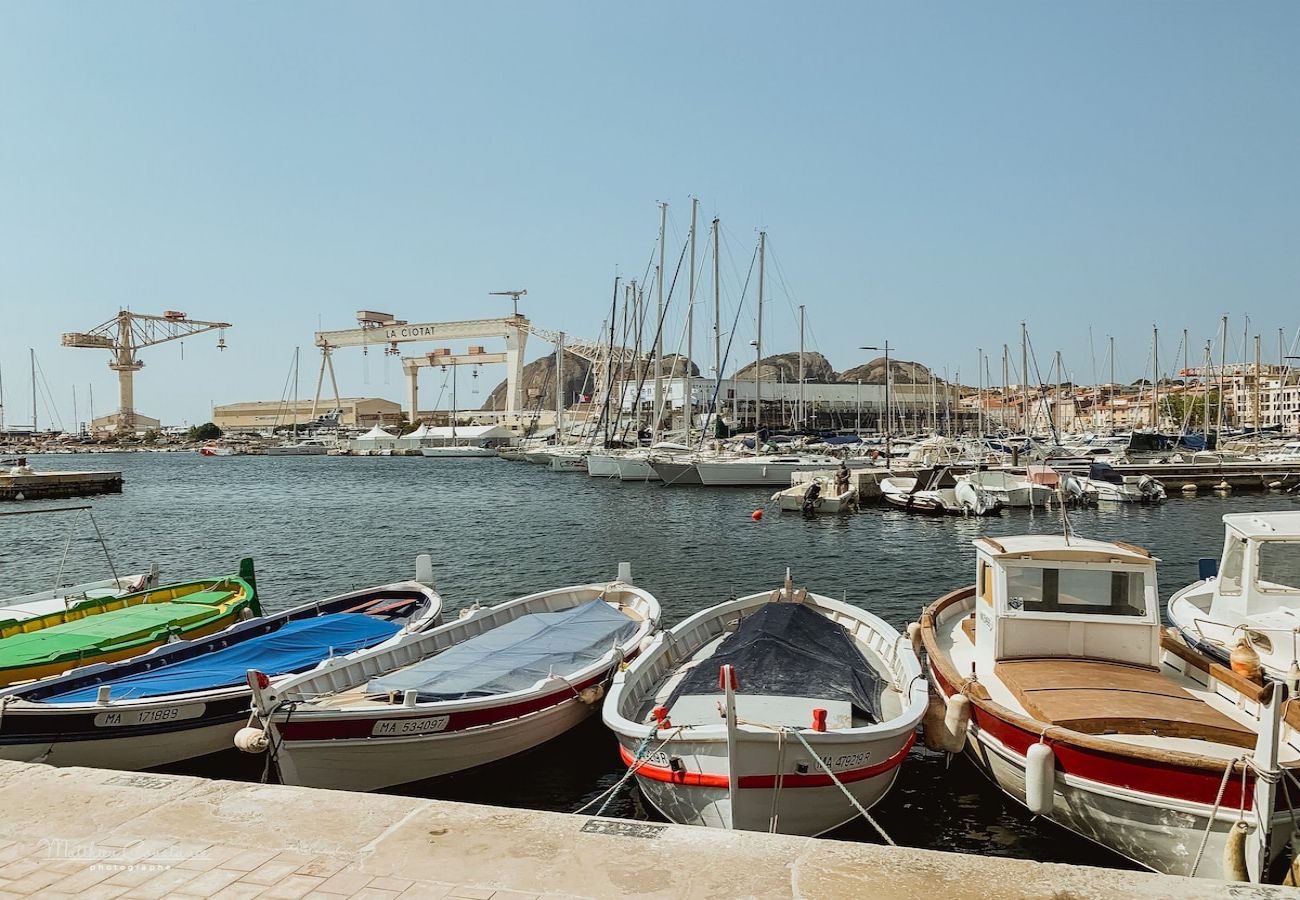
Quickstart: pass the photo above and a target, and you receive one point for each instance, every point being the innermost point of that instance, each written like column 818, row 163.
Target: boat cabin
column 1259, row 572
column 1048, row 596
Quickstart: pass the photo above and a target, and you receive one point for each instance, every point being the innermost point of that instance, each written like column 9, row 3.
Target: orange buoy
column 757, row 515
column 1245, row 661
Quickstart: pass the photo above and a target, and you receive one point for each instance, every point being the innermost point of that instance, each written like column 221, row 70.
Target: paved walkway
column 98, row 834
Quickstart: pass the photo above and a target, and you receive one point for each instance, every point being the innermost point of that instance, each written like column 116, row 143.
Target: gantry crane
column 128, row 332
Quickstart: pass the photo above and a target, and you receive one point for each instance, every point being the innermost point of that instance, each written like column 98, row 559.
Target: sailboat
column 296, row 447
column 455, row 448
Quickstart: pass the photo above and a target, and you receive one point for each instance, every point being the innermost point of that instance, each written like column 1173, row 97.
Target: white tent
column 375, row 439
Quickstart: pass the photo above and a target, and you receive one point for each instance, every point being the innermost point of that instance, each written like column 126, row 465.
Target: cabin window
column 1234, row 558
column 1279, row 566
column 1102, row 592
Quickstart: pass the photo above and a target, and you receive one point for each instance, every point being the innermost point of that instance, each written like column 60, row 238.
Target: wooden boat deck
column 1097, row 697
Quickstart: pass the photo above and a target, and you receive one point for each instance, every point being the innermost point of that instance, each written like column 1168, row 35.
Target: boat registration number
column 848, row 761
column 158, row 715
column 388, row 728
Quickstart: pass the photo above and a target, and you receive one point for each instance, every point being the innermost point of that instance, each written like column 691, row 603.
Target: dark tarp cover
column 788, row 650
column 513, row 656
column 295, row 647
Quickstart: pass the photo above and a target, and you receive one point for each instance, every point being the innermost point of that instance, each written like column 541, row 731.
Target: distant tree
column 151, row 436
column 208, row 431
column 1190, row 408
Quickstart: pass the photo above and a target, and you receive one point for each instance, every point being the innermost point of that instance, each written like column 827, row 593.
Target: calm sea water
column 321, row 525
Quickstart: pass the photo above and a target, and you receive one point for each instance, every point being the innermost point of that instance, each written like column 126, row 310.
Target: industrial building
column 263, row 415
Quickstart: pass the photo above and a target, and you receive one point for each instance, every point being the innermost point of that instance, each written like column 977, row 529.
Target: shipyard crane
column 128, row 332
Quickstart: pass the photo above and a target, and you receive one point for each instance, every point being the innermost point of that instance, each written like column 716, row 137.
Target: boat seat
column 1098, row 697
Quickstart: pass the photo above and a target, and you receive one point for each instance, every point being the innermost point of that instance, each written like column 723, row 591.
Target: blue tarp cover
column 513, row 656
column 294, row 647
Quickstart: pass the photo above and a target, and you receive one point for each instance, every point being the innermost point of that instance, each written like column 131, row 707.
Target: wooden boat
column 495, row 683
column 42, row 603
column 738, row 717
column 937, row 492
column 115, row 628
column 1251, row 598
column 825, row 497
column 1053, row 675
column 188, row 699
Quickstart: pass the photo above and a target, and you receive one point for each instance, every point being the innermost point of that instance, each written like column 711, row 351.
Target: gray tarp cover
column 515, row 655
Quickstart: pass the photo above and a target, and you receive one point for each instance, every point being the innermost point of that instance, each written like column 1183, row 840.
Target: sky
column 928, row 173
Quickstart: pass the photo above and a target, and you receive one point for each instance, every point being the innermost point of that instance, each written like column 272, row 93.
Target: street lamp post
column 888, row 442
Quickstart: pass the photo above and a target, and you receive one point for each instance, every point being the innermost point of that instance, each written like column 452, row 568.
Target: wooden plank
column 1110, row 698
column 968, row 627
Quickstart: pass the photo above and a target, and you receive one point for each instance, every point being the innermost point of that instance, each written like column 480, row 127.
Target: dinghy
column 1250, row 602
column 188, row 699
column 783, row 711
column 116, row 628
column 937, row 492
column 1054, row 677
column 818, row 495
column 495, row 683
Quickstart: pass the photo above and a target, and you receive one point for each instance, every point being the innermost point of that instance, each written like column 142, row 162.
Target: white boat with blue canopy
column 494, row 683
column 189, row 698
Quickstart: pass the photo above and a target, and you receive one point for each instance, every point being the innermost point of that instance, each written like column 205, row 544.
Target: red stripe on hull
column 1116, row 770
column 811, row 780
column 331, row 729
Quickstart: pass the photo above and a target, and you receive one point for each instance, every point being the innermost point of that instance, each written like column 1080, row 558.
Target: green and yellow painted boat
column 109, row 629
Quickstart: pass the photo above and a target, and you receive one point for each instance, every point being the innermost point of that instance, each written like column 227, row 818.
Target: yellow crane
column 128, row 332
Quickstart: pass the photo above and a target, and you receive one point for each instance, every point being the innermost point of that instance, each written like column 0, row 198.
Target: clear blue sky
column 932, row 173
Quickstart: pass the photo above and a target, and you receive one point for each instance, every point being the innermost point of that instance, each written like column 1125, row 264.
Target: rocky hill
column 785, row 367
column 903, row 371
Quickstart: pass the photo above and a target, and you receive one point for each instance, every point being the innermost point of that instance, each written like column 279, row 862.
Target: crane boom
column 128, row 332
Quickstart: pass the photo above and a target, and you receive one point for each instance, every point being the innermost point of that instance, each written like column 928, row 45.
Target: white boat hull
column 600, row 465
column 755, row 474
column 1158, row 833
column 297, row 450
column 803, row 805
column 457, row 452
column 636, row 468
column 129, row 753
column 370, row 764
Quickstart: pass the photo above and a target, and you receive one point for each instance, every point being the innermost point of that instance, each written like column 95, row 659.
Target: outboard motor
column 810, row 498
column 1151, row 489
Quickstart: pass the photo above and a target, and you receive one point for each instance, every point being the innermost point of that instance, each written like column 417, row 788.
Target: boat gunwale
column 912, row 704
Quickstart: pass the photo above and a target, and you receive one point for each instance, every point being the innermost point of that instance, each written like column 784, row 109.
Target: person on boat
column 842, row 478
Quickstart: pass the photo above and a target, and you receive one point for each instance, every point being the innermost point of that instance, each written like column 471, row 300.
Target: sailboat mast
column 1205, row 400
column 454, row 370
column 1024, row 377
column 1002, row 418
column 1223, row 362
column 688, row 395
column 717, row 306
column 295, row 394
column 799, row 415
column 1155, row 378
column 1057, row 420
column 979, row 417
column 1112, row 384
column 559, row 389
column 32, row 352
column 758, row 365
column 74, row 409
column 659, row 320
column 1256, row 403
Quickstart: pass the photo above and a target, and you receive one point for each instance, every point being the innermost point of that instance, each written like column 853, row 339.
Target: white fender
column 1234, row 854
column 956, row 719
column 1040, row 779
column 914, row 635
column 251, row 740
column 589, row 695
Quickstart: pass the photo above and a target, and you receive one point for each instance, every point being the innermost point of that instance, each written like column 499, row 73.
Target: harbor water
column 321, row 525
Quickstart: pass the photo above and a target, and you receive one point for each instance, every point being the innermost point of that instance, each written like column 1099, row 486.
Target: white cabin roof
column 1045, row 547
column 1265, row 525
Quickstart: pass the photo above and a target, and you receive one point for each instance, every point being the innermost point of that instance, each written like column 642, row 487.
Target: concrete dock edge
column 98, row 833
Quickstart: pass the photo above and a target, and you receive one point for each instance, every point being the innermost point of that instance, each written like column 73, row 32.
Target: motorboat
column 1009, row 489
column 188, row 699
column 767, row 470
column 108, row 629
column 1250, row 597
column 494, row 683
column 1053, row 675
column 820, row 494
column 783, row 711
column 309, row 447
column 458, row 451
column 938, row 492
column 1108, row 486
column 44, row 603
column 1288, row 452
column 212, row 448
